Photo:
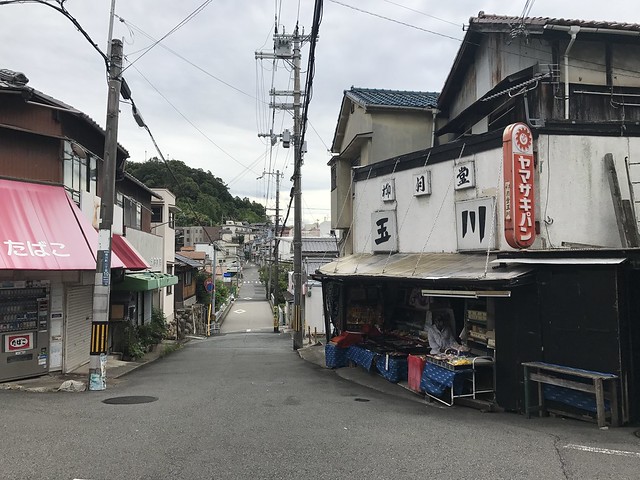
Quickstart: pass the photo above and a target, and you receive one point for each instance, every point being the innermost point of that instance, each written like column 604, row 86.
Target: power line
column 190, row 122
column 209, row 74
column 180, row 24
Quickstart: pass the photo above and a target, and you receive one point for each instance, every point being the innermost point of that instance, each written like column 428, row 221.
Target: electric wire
column 247, row 168
column 180, row 24
column 183, row 58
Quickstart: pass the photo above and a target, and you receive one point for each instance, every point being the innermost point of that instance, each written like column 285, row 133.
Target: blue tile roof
column 392, row 98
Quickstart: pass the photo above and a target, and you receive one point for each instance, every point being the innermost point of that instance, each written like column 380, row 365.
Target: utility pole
column 213, row 291
column 283, row 46
column 297, row 200
column 274, row 265
column 276, row 287
column 102, row 282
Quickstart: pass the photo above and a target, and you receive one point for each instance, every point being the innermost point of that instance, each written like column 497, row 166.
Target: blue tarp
column 361, row 356
column 436, row 379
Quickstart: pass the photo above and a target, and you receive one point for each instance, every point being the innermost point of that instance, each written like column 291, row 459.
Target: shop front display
column 391, row 331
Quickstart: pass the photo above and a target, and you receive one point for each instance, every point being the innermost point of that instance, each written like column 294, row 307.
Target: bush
column 140, row 338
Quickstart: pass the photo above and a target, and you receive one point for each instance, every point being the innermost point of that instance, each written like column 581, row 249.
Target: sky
column 204, row 95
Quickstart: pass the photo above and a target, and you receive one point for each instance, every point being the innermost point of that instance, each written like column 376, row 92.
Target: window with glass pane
column 156, row 213
column 79, row 170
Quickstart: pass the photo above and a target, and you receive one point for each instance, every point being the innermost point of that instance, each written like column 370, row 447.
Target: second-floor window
column 80, row 171
column 156, row 214
column 131, row 211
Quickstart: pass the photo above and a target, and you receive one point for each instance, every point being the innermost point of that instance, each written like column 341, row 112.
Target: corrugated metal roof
column 392, row 98
column 427, row 266
column 310, row 265
column 319, row 245
column 188, row 261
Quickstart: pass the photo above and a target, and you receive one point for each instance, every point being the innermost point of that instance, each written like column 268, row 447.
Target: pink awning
column 42, row 229
column 130, row 256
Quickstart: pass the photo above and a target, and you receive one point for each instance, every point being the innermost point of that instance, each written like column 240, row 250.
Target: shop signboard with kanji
column 384, row 231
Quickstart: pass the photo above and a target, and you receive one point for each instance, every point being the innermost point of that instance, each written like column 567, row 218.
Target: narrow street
column 250, row 312
column 245, row 405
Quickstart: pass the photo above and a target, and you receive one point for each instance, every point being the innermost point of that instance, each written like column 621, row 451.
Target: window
column 132, row 213
column 170, row 272
column 80, row 171
column 188, row 277
column 172, row 220
column 156, row 214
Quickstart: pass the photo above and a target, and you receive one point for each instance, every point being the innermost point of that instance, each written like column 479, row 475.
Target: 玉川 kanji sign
column 519, row 206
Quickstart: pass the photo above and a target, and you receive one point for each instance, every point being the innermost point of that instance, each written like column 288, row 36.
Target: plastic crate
column 416, row 366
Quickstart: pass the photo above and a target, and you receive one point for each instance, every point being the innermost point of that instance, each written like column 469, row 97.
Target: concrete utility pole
column 283, row 50
column 298, row 327
column 274, row 264
column 102, row 283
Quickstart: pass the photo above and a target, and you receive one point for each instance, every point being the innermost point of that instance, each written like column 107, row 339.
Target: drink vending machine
column 24, row 329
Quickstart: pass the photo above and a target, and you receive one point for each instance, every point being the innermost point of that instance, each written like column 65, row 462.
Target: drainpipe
column 434, row 112
column 573, row 31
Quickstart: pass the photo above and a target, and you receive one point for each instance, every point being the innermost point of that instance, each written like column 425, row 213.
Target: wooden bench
column 574, row 379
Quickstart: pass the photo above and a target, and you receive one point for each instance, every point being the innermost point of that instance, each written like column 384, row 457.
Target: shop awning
column 561, row 261
column 144, row 281
column 427, row 266
column 128, row 254
column 43, row 229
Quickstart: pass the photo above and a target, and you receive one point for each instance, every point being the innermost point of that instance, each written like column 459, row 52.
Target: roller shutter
column 77, row 332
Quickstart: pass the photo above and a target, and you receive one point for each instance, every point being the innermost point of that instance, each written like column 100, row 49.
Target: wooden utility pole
column 102, row 283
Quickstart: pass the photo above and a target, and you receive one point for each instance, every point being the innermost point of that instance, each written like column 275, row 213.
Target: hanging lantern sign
column 519, row 206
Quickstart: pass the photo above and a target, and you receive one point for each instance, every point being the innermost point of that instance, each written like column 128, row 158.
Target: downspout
column 434, row 112
column 573, row 31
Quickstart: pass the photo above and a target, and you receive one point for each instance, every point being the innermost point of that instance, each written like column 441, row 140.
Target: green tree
column 203, row 198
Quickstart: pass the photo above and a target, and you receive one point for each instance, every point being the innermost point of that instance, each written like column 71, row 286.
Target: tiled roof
column 484, row 18
column 392, row 98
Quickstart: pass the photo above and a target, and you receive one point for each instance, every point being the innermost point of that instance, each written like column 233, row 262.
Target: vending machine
column 24, row 329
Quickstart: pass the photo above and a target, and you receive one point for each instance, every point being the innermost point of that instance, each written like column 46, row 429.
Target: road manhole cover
column 133, row 400
column 358, row 399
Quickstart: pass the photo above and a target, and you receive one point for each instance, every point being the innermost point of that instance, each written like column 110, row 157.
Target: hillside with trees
column 203, row 198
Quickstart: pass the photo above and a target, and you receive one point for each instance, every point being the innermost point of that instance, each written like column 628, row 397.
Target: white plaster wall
column 313, row 309
column 572, row 195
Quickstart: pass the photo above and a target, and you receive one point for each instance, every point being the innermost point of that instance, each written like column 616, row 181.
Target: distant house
column 186, row 269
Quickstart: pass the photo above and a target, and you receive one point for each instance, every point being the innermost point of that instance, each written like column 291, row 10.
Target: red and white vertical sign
column 519, row 206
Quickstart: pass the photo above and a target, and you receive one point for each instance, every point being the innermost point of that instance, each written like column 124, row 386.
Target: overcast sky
column 204, row 95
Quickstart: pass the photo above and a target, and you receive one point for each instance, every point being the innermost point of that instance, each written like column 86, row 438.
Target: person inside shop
column 440, row 334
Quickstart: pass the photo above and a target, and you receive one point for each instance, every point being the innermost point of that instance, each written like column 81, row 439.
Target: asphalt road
column 245, row 405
